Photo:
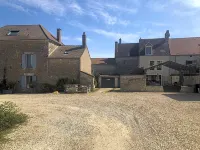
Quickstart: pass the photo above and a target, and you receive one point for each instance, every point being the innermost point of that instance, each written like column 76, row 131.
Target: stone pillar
column 116, row 82
column 99, row 81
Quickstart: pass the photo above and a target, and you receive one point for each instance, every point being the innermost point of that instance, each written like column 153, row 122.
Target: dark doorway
column 107, row 82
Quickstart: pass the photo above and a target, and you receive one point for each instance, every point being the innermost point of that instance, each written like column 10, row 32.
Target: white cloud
column 76, row 8
column 189, row 3
column 126, row 37
column 156, row 6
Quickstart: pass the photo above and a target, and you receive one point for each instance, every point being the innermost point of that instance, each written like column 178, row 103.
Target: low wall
column 154, row 89
column 86, row 79
column 191, row 80
column 133, row 83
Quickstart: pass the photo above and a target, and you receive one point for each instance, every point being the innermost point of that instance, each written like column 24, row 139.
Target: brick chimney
column 84, row 40
column 116, row 49
column 167, row 35
column 59, row 35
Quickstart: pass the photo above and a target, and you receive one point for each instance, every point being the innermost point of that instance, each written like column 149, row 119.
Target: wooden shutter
column 23, row 61
column 23, row 82
column 33, row 61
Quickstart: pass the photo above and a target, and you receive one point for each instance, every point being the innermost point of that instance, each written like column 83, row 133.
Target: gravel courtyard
column 107, row 121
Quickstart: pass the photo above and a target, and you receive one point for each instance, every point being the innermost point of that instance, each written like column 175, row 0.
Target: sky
column 105, row 21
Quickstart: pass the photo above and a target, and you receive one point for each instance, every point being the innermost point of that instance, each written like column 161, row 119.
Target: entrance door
column 107, row 82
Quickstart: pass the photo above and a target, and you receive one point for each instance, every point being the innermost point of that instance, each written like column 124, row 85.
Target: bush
column 60, row 85
column 10, row 116
column 47, row 88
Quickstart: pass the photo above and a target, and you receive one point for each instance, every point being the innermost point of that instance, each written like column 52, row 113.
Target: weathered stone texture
column 86, row 79
column 63, row 68
column 85, row 62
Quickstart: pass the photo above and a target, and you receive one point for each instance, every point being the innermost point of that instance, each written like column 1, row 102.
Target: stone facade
column 11, row 58
column 133, row 83
column 85, row 62
column 86, row 79
column 63, row 68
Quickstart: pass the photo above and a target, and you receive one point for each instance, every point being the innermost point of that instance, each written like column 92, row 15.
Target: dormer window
column 148, row 50
column 13, row 33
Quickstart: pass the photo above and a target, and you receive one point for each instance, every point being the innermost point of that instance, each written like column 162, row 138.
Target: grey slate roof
column 160, row 46
column 72, row 51
column 128, row 49
column 27, row 32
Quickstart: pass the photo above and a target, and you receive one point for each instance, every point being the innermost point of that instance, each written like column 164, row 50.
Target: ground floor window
column 28, row 81
column 153, row 80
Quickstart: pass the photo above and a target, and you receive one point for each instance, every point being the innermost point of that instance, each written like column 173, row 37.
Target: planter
column 8, row 91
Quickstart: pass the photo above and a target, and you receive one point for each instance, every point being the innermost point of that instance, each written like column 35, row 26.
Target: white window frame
column 158, row 64
column 145, row 51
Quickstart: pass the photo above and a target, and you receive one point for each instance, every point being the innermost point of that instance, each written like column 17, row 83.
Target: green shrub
column 47, row 88
column 10, row 116
column 60, row 85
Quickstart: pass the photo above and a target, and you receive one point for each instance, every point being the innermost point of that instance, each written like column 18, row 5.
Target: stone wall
column 191, row 80
column 85, row 62
column 133, row 83
column 63, row 68
column 11, row 56
column 86, row 79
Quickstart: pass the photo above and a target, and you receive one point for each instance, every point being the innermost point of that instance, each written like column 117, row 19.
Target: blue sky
column 105, row 21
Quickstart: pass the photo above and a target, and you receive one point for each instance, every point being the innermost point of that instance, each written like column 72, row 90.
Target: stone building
column 132, row 58
column 30, row 54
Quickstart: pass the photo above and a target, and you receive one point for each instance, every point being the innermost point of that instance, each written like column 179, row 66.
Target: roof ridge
column 184, row 38
column 43, row 31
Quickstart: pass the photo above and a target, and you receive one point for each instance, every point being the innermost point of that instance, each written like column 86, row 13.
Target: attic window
column 148, row 50
column 13, row 33
column 66, row 53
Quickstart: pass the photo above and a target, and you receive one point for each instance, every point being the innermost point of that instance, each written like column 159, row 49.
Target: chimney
column 84, row 40
column 59, row 35
column 116, row 49
column 167, row 35
column 120, row 41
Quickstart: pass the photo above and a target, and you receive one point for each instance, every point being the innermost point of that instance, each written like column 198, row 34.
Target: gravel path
column 107, row 121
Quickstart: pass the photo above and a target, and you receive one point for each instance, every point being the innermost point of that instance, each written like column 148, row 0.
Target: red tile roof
column 185, row 46
column 106, row 61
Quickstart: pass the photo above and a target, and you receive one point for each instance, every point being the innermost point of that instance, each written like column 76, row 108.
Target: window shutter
column 34, row 78
column 33, row 60
column 23, row 82
column 23, row 61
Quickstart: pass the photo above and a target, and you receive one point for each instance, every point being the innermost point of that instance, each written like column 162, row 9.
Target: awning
column 177, row 66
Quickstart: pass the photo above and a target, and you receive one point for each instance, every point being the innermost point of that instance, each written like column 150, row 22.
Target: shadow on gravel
column 184, row 96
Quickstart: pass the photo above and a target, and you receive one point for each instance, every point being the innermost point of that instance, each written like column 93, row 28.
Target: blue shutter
column 23, row 82
column 33, row 61
column 23, row 61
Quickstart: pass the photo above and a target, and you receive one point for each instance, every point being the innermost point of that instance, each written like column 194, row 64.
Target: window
column 189, row 62
column 28, row 81
column 153, row 80
column 13, row 33
column 28, row 61
column 148, row 50
column 152, row 64
column 159, row 67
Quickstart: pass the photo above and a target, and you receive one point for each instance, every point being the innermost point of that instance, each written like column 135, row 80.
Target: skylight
column 13, row 33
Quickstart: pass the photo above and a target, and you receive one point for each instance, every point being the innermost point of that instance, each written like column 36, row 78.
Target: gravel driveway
column 107, row 121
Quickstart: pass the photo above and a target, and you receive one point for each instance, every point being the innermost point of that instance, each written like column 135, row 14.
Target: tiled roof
column 68, row 51
column 127, row 49
column 99, row 61
column 185, row 46
column 27, row 32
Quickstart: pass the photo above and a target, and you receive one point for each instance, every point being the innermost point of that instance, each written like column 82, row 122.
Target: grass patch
column 10, row 116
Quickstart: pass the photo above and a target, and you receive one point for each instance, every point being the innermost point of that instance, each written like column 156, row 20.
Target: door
column 107, row 82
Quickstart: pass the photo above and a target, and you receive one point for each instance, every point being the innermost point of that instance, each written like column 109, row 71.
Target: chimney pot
column 59, row 35
column 167, row 35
